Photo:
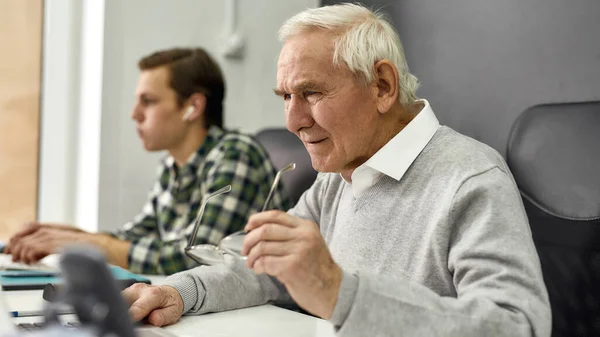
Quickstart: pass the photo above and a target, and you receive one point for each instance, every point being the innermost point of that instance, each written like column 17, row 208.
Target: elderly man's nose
column 298, row 115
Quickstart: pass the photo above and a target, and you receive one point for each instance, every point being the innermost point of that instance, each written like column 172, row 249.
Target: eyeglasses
column 231, row 244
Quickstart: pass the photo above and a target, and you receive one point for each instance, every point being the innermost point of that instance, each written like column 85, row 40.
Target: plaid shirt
column 160, row 233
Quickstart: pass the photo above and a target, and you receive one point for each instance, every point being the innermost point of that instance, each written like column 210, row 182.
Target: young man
column 179, row 108
column 413, row 229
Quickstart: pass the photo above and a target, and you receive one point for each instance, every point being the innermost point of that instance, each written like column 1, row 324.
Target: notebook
column 31, row 279
column 49, row 263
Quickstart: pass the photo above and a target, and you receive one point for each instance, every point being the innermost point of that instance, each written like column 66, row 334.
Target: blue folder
column 35, row 279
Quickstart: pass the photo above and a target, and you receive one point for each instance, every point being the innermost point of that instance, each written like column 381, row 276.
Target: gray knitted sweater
column 444, row 251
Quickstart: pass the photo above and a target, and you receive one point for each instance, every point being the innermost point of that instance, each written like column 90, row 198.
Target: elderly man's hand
column 162, row 305
column 293, row 250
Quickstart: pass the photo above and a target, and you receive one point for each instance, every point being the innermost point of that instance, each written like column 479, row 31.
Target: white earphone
column 188, row 113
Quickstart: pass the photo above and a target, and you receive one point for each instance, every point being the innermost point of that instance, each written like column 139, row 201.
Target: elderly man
column 412, row 229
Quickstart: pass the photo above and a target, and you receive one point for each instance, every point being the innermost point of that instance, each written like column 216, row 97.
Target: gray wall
column 126, row 170
column 481, row 63
column 94, row 171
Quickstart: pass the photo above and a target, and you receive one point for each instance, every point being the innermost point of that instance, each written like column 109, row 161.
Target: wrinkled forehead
column 305, row 55
column 311, row 44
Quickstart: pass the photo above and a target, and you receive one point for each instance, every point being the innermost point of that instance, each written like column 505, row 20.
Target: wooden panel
column 20, row 78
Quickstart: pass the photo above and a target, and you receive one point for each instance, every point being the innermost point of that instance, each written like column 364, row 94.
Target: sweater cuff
column 186, row 287
column 345, row 300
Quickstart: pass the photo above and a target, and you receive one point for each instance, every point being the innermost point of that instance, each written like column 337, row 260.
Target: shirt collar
column 395, row 157
column 213, row 136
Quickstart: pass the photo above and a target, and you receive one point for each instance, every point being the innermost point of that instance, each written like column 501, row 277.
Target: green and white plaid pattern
column 160, row 233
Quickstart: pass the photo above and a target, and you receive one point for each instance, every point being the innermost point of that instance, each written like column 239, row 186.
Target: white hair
column 363, row 38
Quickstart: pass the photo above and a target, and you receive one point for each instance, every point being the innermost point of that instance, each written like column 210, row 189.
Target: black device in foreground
column 52, row 290
column 93, row 293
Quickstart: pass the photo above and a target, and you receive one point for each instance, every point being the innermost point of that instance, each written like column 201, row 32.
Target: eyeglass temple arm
column 289, row 167
column 201, row 212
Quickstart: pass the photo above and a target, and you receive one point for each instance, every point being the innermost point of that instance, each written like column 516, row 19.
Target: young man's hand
column 32, row 227
column 37, row 241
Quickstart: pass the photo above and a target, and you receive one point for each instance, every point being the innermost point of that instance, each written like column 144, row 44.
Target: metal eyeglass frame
column 210, row 254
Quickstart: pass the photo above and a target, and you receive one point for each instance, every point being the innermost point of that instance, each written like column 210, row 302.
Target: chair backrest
column 554, row 155
column 283, row 148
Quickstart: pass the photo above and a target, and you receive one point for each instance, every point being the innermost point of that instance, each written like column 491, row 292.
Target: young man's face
column 159, row 119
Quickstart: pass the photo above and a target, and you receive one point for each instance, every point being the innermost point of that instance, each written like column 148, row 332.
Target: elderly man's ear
column 386, row 82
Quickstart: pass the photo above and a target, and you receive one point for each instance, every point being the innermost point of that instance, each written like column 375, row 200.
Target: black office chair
column 283, row 148
column 554, row 154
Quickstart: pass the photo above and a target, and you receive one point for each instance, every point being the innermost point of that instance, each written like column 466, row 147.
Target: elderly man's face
column 326, row 107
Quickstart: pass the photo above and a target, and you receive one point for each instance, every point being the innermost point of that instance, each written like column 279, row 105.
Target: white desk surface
column 261, row 321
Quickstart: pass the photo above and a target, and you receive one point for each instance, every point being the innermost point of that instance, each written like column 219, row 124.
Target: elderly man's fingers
column 164, row 316
column 170, row 310
column 143, row 306
column 165, row 299
column 274, row 216
column 275, row 266
column 267, row 248
column 266, row 232
column 132, row 293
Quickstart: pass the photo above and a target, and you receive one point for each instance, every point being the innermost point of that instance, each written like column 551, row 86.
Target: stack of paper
column 48, row 263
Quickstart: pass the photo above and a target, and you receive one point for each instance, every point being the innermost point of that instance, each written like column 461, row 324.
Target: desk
column 260, row 321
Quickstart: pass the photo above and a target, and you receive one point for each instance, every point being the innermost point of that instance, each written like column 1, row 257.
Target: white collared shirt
column 395, row 157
